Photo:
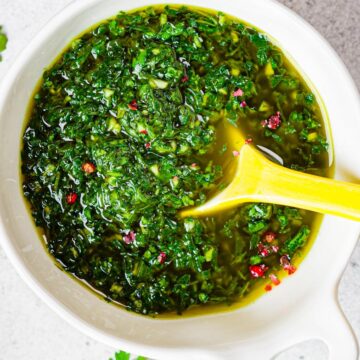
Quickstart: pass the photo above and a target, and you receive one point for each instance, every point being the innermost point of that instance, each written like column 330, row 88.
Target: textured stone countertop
column 28, row 328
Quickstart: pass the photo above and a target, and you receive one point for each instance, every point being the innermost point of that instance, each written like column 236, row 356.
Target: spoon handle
column 258, row 179
column 279, row 185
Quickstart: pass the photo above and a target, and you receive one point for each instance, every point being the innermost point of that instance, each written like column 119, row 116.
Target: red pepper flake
column 184, row 79
column 248, row 141
column 143, row 131
column 193, row 165
column 263, row 250
column 129, row 238
column 243, row 104
column 275, row 248
column 133, row 105
column 285, row 263
column 269, row 236
column 274, row 279
column 273, row 122
column 71, row 198
column 88, row 167
column 238, row 92
column 263, row 123
column 268, row 287
column 236, row 153
column 257, row 271
column 162, row 257
column 148, row 145
column 290, row 269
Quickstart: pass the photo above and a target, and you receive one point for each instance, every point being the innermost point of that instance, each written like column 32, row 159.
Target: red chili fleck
column 285, row 263
column 275, row 248
column 269, row 236
column 263, row 123
column 71, row 198
column 248, row 141
column 274, row 121
column 133, row 105
column 238, row 92
column 236, row 153
column 274, row 279
column 243, row 104
column 129, row 238
column 268, row 287
column 88, row 167
column 162, row 257
column 193, row 165
column 290, row 269
column 184, row 79
column 263, row 251
column 143, row 131
column 257, row 271
column 148, row 145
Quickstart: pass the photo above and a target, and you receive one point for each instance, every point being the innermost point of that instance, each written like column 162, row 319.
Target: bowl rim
column 5, row 87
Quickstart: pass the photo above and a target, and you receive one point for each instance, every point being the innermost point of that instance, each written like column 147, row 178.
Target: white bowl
column 304, row 307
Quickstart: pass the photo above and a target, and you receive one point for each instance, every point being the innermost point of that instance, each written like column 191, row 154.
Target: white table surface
column 28, row 328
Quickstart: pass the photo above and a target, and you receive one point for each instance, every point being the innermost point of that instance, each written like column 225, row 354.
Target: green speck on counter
column 3, row 41
column 122, row 355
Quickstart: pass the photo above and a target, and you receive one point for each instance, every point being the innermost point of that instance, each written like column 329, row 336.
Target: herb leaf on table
column 122, row 355
column 3, row 41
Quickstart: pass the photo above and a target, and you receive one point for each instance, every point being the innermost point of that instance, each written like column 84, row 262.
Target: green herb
column 298, row 241
column 122, row 355
column 3, row 41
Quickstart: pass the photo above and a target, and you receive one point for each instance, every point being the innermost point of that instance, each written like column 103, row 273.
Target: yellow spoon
column 254, row 178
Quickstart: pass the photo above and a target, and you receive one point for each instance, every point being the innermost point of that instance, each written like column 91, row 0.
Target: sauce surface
column 122, row 134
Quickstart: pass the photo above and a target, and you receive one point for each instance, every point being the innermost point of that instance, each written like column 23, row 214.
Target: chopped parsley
column 122, row 135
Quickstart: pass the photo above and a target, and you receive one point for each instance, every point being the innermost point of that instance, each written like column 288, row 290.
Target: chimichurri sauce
column 121, row 137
